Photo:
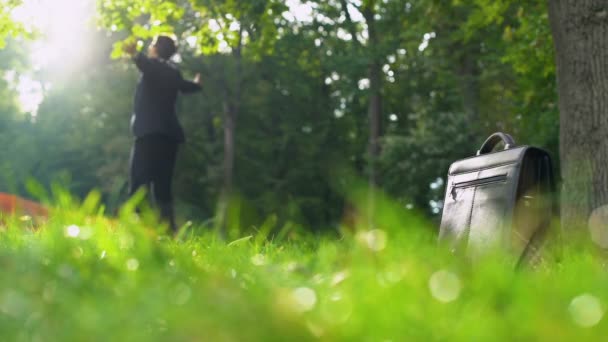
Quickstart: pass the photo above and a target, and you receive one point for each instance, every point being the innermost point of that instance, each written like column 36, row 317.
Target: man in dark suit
column 154, row 122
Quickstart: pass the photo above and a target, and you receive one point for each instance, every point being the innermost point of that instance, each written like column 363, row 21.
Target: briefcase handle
column 494, row 140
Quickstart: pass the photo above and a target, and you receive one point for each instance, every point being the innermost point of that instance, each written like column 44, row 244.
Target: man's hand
column 197, row 79
column 130, row 48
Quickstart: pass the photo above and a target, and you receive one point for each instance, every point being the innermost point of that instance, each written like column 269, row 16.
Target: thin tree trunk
column 228, row 168
column 374, row 113
column 580, row 31
column 469, row 75
column 232, row 105
column 375, row 103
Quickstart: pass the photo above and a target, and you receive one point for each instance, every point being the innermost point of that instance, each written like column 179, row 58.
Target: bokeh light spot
column 258, row 260
column 72, row 231
column 339, row 277
column 598, row 226
column 132, row 264
column 305, row 299
column 586, row 310
column 445, row 286
column 374, row 239
column 182, row 294
column 337, row 309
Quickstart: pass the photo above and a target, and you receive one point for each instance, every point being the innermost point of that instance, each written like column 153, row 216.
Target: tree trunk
column 229, row 131
column 580, row 31
column 374, row 113
column 232, row 105
column 375, row 102
column 469, row 76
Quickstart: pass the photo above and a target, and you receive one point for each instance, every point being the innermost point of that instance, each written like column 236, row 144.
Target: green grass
column 82, row 277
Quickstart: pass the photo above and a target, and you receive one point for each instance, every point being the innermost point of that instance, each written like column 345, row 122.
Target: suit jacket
column 156, row 98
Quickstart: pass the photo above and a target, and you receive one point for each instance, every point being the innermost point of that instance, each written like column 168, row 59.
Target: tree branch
column 349, row 22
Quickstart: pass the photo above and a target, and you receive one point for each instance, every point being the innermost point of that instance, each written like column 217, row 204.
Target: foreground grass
column 85, row 278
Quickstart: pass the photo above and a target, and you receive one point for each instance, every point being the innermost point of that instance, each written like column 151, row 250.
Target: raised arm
column 190, row 86
column 143, row 63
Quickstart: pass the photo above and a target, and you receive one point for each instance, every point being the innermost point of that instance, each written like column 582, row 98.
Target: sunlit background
column 63, row 27
column 65, row 40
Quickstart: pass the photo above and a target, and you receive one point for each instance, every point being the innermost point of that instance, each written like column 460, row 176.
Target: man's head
column 163, row 47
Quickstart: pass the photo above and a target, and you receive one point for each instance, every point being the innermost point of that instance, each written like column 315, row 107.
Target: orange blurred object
column 14, row 205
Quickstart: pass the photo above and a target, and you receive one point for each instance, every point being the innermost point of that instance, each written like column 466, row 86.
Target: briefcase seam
column 470, row 218
column 484, row 168
column 524, row 149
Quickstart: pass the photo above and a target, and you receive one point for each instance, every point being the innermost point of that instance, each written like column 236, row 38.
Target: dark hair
column 165, row 46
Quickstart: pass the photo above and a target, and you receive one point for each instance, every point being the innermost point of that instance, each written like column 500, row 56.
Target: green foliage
column 8, row 27
column 215, row 24
column 82, row 276
column 452, row 73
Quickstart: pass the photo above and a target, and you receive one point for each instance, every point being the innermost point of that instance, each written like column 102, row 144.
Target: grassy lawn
column 83, row 277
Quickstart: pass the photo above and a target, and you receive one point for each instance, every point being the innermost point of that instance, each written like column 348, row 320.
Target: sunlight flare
column 61, row 24
column 63, row 35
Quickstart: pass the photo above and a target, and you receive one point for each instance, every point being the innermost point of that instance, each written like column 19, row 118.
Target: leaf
column 240, row 241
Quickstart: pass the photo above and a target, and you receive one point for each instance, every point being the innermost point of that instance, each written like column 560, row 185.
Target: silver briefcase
column 499, row 199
